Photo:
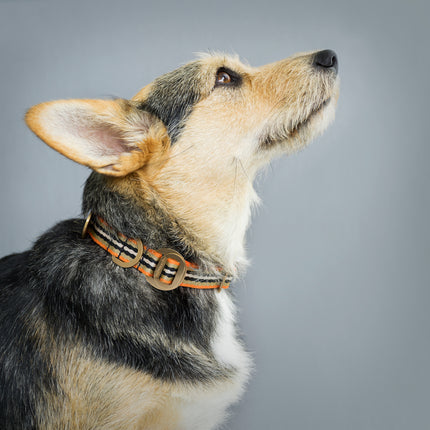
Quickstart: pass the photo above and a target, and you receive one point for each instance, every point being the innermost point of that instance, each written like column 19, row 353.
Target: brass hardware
column 180, row 272
column 87, row 222
column 135, row 260
column 219, row 289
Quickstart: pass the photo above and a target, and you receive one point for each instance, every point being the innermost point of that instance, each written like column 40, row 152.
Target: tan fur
column 204, row 182
column 94, row 394
column 52, row 122
column 226, row 125
column 98, row 395
column 220, row 149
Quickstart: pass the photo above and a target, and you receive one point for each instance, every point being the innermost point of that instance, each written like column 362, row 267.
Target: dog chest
column 204, row 406
column 99, row 394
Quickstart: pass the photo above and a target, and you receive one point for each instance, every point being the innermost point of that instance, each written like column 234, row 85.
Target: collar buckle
column 181, row 271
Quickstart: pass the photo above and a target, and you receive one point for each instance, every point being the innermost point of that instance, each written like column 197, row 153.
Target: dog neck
column 211, row 239
column 213, row 198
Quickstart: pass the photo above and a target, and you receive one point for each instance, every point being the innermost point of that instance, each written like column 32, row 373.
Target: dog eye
column 226, row 77
column 223, row 77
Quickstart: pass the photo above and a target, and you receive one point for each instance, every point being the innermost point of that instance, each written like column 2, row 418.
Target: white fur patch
column 207, row 407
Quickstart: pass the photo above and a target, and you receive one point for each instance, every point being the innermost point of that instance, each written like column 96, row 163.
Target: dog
column 125, row 320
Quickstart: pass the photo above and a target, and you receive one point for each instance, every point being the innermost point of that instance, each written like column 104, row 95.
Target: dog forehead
column 172, row 96
column 192, row 73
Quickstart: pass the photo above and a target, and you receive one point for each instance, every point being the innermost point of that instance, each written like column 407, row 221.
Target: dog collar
column 165, row 269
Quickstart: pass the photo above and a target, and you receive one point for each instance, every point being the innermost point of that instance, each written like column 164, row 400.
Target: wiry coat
column 86, row 344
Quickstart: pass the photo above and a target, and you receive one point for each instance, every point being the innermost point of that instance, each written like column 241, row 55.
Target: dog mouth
column 314, row 112
column 291, row 131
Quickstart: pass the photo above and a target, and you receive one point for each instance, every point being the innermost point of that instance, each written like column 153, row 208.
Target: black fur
column 89, row 295
column 71, row 286
column 66, row 290
column 24, row 374
column 173, row 97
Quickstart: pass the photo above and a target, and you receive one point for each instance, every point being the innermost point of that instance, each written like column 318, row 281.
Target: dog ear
column 112, row 137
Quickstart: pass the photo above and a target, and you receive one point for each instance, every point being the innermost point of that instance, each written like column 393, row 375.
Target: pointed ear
column 112, row 137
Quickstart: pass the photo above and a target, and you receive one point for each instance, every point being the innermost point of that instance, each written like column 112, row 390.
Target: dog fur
column 86, row 344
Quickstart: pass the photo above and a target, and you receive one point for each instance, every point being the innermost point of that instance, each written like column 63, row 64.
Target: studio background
column 335, row 304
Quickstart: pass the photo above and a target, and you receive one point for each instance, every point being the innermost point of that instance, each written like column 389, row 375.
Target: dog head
column 197, row 136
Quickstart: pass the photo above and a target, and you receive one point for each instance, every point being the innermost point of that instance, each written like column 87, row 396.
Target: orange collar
column 165, row 269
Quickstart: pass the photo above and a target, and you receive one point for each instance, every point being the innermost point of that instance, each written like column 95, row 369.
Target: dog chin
column 318, row 121
column 312, row 127
column 289, row 139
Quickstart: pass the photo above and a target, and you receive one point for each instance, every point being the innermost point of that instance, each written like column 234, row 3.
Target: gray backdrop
column 336, row 314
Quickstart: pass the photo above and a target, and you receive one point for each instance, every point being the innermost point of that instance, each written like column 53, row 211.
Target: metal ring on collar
column 156, row 282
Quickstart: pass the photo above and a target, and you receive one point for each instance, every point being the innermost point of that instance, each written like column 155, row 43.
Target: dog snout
column 326, row 60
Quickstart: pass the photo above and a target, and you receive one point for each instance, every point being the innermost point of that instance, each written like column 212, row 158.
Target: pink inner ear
column 106, row 140
column 96, row 137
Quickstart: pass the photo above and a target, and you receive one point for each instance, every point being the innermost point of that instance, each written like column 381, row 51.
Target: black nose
column 326, row 59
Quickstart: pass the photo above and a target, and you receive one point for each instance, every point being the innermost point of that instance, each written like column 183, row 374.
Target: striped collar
column 165, row 269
